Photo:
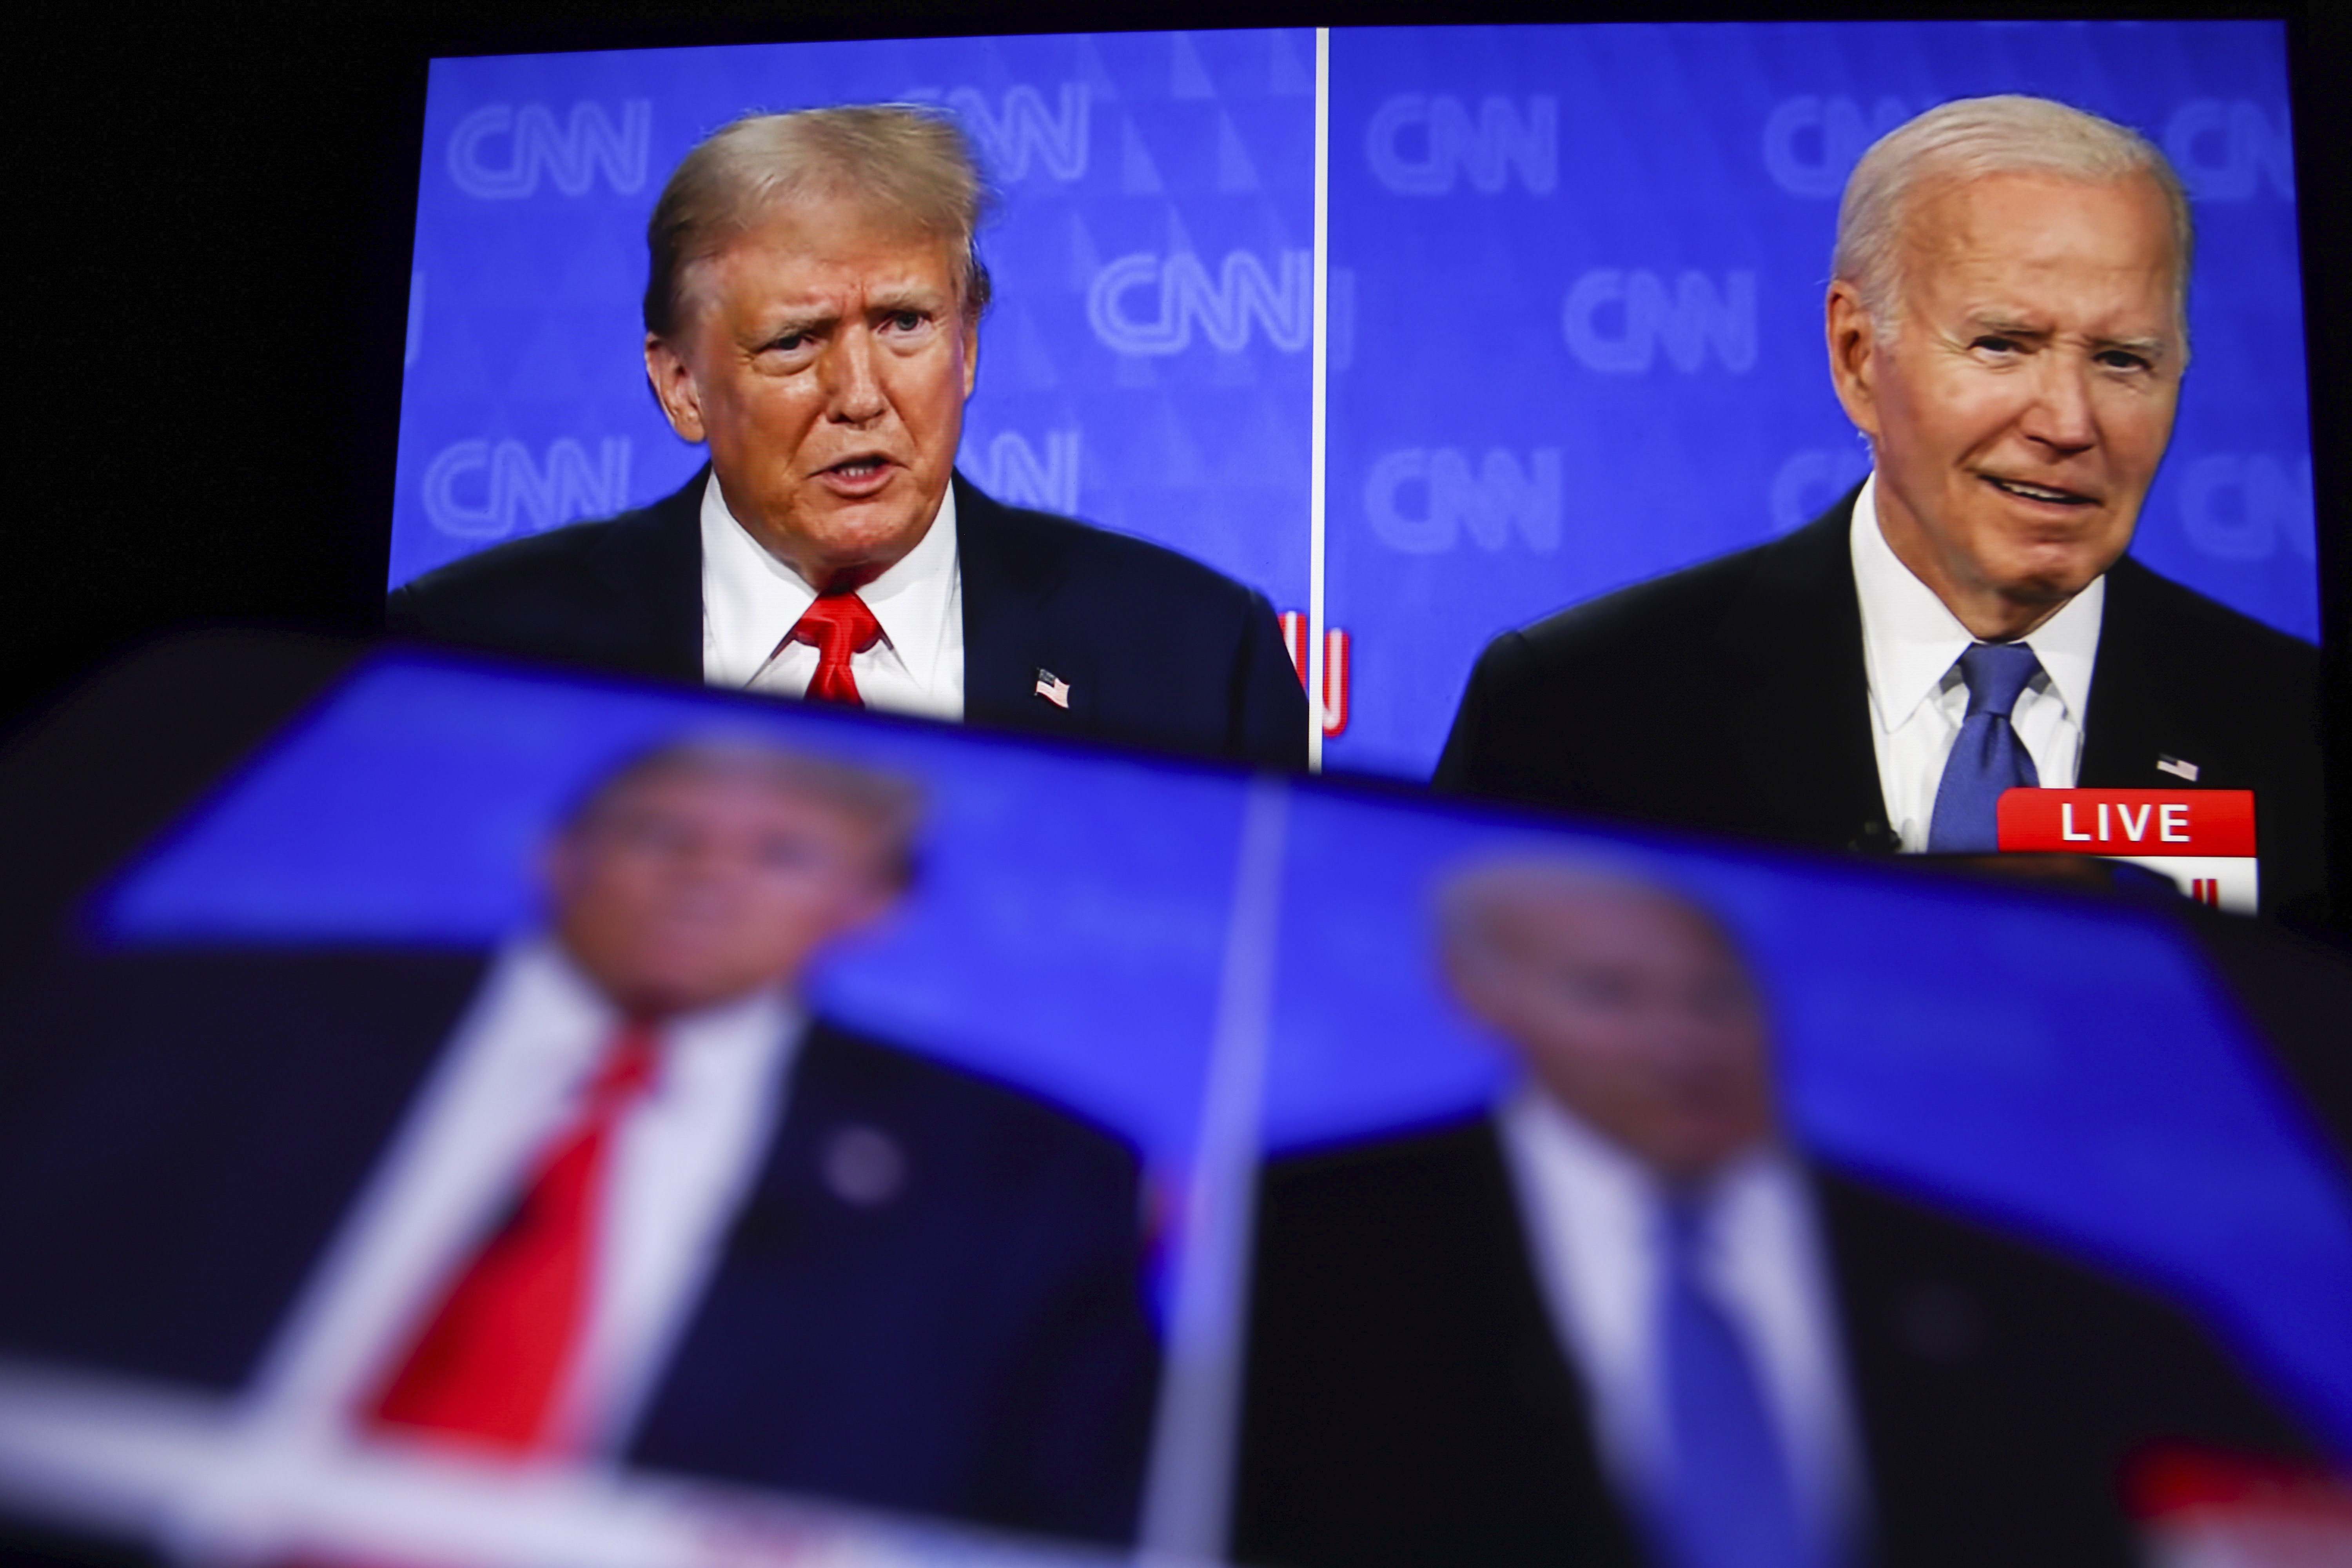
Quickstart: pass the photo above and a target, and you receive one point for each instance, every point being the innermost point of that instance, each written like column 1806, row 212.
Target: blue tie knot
column 1728, row 1495
column 1682, row 1224
column 1996, row 673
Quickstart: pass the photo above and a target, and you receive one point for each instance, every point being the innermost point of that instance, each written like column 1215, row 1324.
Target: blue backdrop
column 1070, row 933
column 1583, row 268
column 1145, row 365
column 1054, row 891
column 1575, row 280
column 2089, row 1085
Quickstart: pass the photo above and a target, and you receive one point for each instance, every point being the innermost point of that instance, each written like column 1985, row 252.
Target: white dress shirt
column 1911, row 646
column 751, row 601
column 512, row 1078
column 1592, row 1215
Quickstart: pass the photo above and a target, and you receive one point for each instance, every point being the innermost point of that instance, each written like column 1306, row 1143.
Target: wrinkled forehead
column 842, row 236
column 2024, row 222
column 693, row 793
column 1568, row 918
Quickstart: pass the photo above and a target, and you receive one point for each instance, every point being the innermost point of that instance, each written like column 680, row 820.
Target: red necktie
column 836, row 626
column 493, row 1356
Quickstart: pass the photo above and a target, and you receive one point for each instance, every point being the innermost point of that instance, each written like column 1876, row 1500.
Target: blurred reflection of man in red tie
column 685, row 900
column 639, row 1145
column 611, row 1191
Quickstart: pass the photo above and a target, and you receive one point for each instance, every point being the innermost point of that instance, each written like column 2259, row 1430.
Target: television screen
column 1425, row 335
column 514, row 1118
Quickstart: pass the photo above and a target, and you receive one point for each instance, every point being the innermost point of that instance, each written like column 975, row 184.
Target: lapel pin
column 863, row 1166
column 2175, row 767
column 1053, row 688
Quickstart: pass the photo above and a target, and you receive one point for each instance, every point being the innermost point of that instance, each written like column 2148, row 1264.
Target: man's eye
column 780, row 854
column 907, row 320
column 2124, row 359
column 1596, row 990
column 790, row 342
column 1992, row 344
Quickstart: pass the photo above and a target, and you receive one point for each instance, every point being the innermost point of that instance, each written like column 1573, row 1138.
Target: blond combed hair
column 890, row 805
column 911, row 162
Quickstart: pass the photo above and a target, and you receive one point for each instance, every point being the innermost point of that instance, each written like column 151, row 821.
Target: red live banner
column 2129, row 821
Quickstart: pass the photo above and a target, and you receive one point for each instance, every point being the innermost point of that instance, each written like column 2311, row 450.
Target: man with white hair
column 2007, row 325
column 1620, row 1320
column 813, row 315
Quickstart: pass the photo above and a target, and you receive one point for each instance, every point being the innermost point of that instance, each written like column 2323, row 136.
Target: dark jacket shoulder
column 1010, row 1131
column 1157, row 648
column 622, row 594
column 2217, row 667
column 1046, row 546
column 181, row 1128
column 1406, row 1399
column 1658, row 702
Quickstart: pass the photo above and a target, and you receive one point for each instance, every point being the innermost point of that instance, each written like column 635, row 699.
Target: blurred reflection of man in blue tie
column 1680, row 1258
column 1619, row 1319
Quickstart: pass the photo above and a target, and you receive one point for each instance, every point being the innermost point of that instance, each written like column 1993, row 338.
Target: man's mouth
column 2048, row 494
column 862, row 467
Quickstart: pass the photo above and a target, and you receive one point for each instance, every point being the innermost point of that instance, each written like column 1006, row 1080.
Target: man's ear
column 864, row 912
column 557, row 868
column 1479, row 981
column 1854, row 344
column 674, row 389
column 971, row 352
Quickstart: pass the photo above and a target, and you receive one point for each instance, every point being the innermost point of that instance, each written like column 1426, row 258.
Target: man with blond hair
column 2008, row 328
column 811, row 313
column 613, row 1192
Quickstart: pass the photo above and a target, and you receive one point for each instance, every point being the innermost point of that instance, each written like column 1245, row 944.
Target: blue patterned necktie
column 1729, row 1498
column 1987, row 756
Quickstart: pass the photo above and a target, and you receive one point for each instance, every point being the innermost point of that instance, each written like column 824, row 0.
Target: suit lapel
column 1801, row 757
column 1551, row 1486
column 788, row 1311
column 1011, row 578
column 2129, row 724
column 649, row 563
column 1969, row 1376
column 788, row 1194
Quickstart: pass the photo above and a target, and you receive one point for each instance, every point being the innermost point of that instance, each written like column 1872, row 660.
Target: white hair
column 1971, row 139
column 1474, row 902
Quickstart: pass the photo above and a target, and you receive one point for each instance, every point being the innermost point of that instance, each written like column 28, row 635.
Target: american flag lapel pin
column 2176, row 768
column 1053, row 688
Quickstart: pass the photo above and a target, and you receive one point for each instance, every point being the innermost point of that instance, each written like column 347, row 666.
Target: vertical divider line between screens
column 1189, row 1481
column 1318, row 449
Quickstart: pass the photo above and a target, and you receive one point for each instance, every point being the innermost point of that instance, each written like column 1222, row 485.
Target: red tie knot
column 836, row 626
column 626, row 1070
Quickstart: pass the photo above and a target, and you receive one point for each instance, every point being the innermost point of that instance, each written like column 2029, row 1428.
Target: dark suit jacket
column 180, row 1132
column 1409, row 1405
column 1733, row 696
column 1159, row 649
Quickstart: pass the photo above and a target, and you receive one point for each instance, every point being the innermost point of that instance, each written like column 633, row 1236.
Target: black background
column 213, row 209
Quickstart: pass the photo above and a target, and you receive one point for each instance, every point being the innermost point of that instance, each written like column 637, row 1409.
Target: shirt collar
column 751, row 599
column 1911, row 640
column 541, row 983
column 1627, row 1192
column 915, row 597
column 1611, row 1188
